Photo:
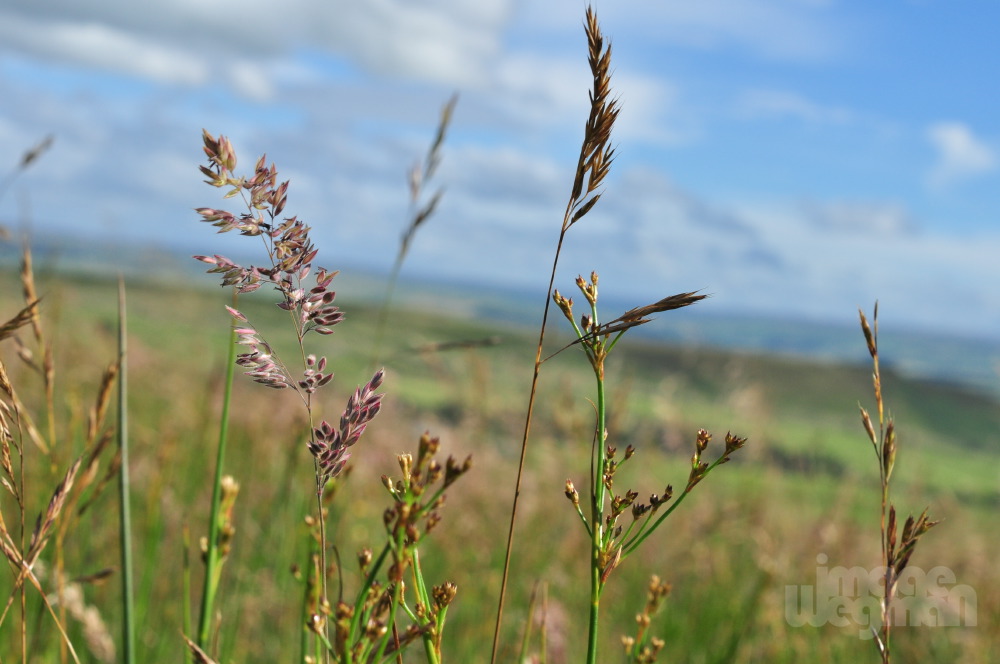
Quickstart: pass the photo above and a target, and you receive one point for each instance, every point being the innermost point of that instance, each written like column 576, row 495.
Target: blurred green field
column 805, row 485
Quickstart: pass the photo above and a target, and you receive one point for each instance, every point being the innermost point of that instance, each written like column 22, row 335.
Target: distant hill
column 947, row 358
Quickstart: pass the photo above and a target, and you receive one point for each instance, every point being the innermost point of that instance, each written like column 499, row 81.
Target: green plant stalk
column 212, row 562
column 186, row 563
column 313, row 592
column 359, row 613
column 399, row 550
column 597, row 516
column 125, row 534
column 632, row 544
column 359, row 603
column 383, row 315
column 543, row 631
column 441, row 619
column 304, row 632
column 322, row 532
column 522, row 655
column 431, row 650
column 887, row 586
column 432, row 641
column 327, row 646
column 397, row 598
column 419, row 583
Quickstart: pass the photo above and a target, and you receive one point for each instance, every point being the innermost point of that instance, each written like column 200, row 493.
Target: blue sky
column 791, row 157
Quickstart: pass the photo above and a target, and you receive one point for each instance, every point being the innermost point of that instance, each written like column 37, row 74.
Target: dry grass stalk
column 29, row 157
column 25, row 560
column 25, row 422
column 51, row 527
column 628, row 320
column 200, row 656
column 896, row 551
column 98, row 440
column 596, row 154
column 463, row 344
column 48, row 368
column 419, row 175
column 96, row 634
column 25, row 316
column 43, row 527
column 29, row 290
column 89, row 476
column 29, row 574
column 592, row 167
column 95, row 418
column 7, row 442
column 643, row 648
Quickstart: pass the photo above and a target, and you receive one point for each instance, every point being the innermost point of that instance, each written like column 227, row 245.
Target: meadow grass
column 766, row 521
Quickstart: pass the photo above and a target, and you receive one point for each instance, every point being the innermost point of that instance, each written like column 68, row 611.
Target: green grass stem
column 186, row 580
column 125, row 534
column 597, row 517
column 212, row 560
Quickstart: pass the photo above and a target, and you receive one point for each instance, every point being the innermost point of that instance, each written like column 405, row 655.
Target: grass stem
column 597, row 517
column 128, row 607
column 592, row 166
column 212, row 559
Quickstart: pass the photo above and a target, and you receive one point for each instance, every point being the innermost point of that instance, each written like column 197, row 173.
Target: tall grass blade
column 125, row 536
column 212, row 558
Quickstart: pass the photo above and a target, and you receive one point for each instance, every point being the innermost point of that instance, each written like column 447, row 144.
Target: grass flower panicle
column 291, row 253
column 366, row 629
column 311, row 308
column 329, row 445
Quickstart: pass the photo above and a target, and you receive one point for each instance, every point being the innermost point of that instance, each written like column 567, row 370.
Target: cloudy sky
column 793, row 157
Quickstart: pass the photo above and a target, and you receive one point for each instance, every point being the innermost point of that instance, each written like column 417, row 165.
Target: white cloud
column 872, row 218
column 451, row 41
column 102, row 46
column 772, row 28
column 783, row 103
column 649, row 111
column 779, row 29
column 832, row 269
column 545, row 90
column 542, row 89
column 961, row 154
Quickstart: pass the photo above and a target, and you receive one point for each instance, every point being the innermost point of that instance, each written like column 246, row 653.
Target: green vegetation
column 804, row 485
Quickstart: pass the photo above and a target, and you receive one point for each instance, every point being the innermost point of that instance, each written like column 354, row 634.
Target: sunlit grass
column 792, row 504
